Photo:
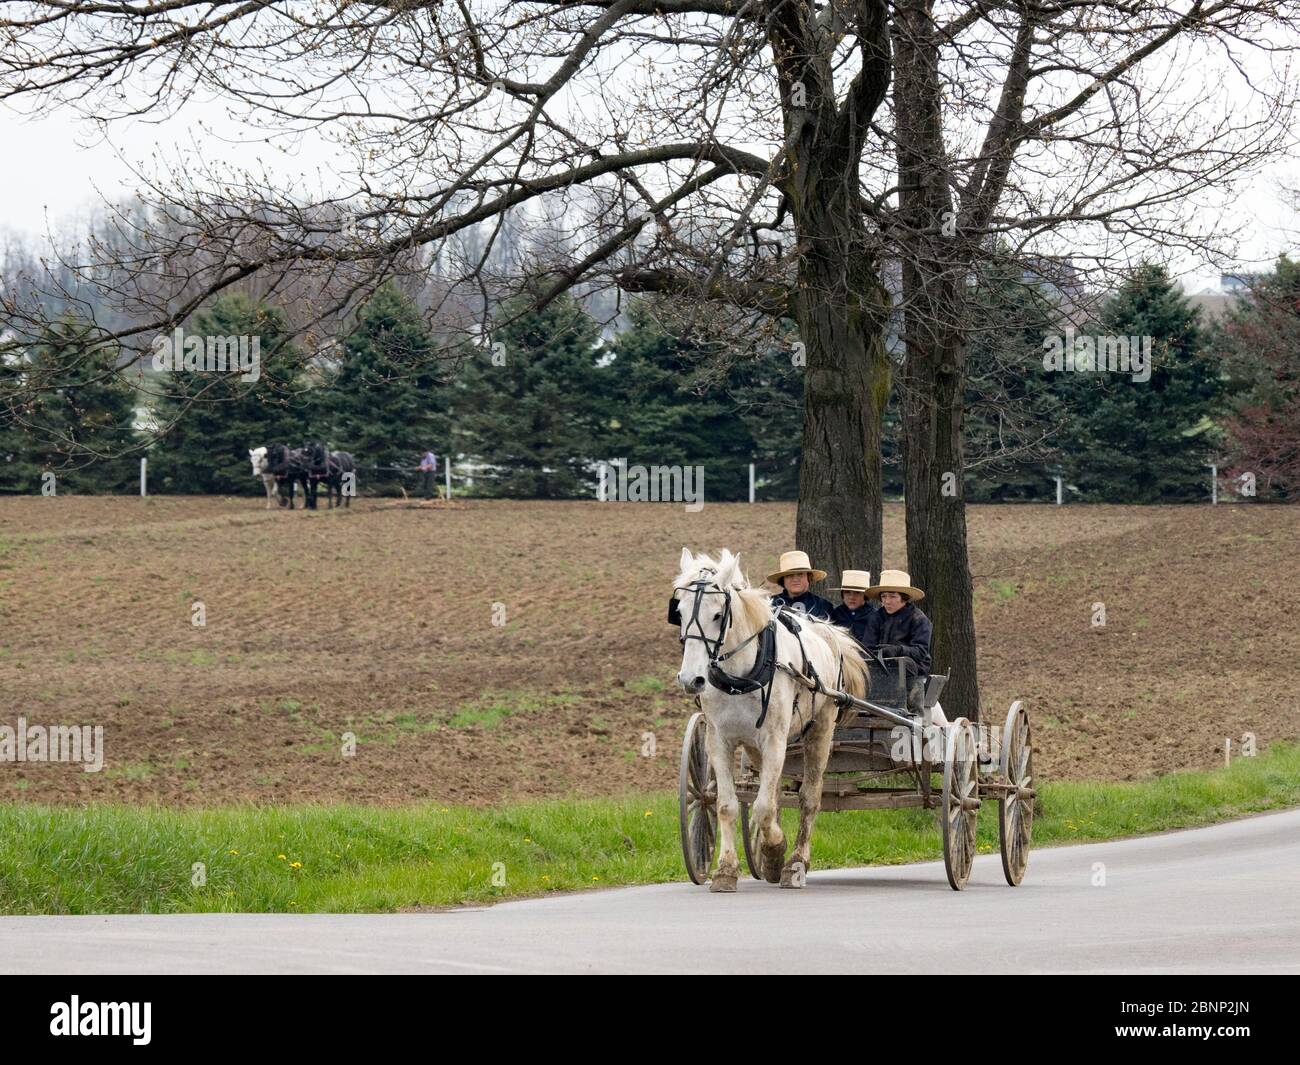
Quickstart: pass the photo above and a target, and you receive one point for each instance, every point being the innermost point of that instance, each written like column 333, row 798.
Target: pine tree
column 209, row 422
column 666, row 410
column 387, row 403
column 1013, row 414
column 66, row 412
column 532, row 404
column 768, row 395
column 1130, row 441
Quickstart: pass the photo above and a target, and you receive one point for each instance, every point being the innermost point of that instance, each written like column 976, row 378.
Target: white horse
column 260, row 467
column 723, row 626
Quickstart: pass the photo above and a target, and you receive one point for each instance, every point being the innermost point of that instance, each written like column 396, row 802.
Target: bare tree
column 746, row 155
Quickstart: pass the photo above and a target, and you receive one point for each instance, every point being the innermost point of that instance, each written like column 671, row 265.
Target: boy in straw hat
column 794, row 574
column 855, row 608
column 898, row 629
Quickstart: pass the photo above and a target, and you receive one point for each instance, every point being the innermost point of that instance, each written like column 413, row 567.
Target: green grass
column 491, row 710
column 1002, row 589
column 352, row 858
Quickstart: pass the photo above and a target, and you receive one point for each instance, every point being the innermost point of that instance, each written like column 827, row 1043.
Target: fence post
column 1214, row 485
column 144, row 463
column 1058, row 491
column 751, row 482
column 446, row 470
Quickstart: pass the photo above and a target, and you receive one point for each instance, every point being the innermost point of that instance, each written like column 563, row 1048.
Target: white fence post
column 1214, row 485
column 1058, row 491
column 144, row 463
column 751, row 482
column 446, row 470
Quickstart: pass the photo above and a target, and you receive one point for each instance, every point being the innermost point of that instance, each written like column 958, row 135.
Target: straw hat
column 895, row 580
column 795, row 562
column 855, row 580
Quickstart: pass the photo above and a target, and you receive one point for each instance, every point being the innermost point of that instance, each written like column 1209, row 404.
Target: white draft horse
column 262, row 469
column 729, row 628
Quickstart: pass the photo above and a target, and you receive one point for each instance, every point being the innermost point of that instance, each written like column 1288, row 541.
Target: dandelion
column 527, row 840
column 295, row 865
column 233, row 852
column 647, row 813
column 282, row 857
column 595, row 878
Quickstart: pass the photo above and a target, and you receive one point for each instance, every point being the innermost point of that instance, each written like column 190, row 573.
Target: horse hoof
column 722, row 882
column 771, row 861
column 792, row 876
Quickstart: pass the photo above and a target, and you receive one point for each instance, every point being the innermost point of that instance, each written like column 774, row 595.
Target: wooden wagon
column 884, row 756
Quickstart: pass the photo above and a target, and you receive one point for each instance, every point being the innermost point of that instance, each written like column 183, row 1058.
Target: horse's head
column 258, row 457
column 315, row 454
column 713, row 608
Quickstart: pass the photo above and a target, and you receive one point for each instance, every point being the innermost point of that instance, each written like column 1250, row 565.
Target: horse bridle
column 713, row 646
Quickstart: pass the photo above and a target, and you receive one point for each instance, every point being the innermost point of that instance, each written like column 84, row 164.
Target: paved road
column 1220, row 899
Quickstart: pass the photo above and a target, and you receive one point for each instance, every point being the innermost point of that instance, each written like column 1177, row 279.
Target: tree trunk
column 933, row 373
column 841, row 308
column 936, row 516
column 840, row 304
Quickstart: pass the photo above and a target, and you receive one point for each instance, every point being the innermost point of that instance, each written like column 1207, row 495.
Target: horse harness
column 763, row 672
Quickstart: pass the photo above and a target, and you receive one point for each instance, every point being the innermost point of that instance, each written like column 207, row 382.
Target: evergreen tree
column 1013, row 413
column 387, row 403
column 532, row 404
column 209, row 421
column 768, row 395
column 65, row 411
column 667, row 411
column 1130, row 441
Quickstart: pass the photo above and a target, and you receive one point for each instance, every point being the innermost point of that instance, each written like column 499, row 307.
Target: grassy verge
column 350, row 858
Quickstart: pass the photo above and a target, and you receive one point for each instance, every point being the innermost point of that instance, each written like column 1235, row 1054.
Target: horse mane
column 752, row 611
column 850, row 652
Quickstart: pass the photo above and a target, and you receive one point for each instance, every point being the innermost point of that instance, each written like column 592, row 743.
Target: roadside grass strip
column 303, row 859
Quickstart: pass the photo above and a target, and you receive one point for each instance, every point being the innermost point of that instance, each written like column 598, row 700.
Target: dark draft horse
column 332, row 467
column 289, row 467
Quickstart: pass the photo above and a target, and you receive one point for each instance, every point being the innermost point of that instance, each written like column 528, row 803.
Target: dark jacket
column 812, row 605
column 906, row 633
column 854, row 620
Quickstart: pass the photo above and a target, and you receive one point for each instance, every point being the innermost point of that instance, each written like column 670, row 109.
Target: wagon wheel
column 697, row 801
column 1016, row 810
column 960, row 803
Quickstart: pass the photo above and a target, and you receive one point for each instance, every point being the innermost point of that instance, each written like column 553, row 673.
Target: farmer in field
column 428, row 471
column 794, row 576
column 899, row 629
column 855, row 608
